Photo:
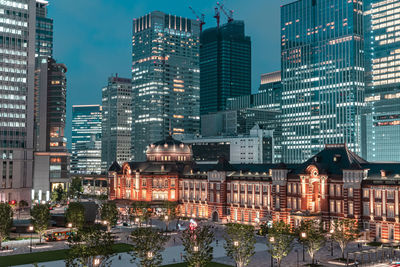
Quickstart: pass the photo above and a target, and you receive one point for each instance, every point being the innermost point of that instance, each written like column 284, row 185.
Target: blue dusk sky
column 93, row 38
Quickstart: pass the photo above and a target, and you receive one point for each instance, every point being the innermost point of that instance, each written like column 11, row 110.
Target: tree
column 280, row 240
column 21, row 205
column 75, row 214
column 40, row 214
column 75, row 188
column 240, row 242
column 141, row 210
column 197, row 246
column 109, row 213
column 170, row 212
column 148, row 243
column 344, row 231
column 6, row 221
column 311, row 234
column 92, row 246
column 58, row 194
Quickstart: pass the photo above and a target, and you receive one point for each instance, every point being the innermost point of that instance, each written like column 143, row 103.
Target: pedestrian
column 174, row 240
column 216, row 242
column 119, row 257
column 181, row 257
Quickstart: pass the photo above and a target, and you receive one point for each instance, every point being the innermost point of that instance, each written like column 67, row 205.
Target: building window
column 332, row 190
column 257, row 188
column 289, row 189
column 391, row 232
column 390, row 194
column 390, row 211
column 366, row 208
column 378, row 231
column 265, row 188
column 295, row 188
column 351, row 212
column 332, row 206
column 172, row 194
column 228, row 186
column 378, row 210
column 144, row 183
column 218, row 186
column 338, row 190
column 249, row 188
column 242, row 187
column 378, row 193
column 235, row 187
column 366, row 193
column 277, row 204
column 289, row 203
column 350, row 192
column 172, row 182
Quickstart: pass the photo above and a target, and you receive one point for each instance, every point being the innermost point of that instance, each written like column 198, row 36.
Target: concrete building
column 86, row 139
column 333, row 184
column 381, row 120
column 322, row 60
column 17, row 49
column 116, row 124
column 225, row 65
column 51, row 157
column 165, row 79
column 256, row 147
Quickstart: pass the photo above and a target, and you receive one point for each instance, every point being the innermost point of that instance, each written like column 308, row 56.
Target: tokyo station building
column 333, row 184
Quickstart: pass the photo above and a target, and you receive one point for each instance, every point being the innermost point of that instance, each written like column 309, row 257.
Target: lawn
column 53, row 255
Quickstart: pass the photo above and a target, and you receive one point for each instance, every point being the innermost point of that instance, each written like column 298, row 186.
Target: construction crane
column 217, row 15
column 228, row 13
column 199, row 18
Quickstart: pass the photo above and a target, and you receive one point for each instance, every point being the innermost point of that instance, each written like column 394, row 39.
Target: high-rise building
column 381, row 121
column 86, row 139
column 44, row 33
column 225, row 65
column 17, row 63
column 116, row 121
column 322, row 61
column 165, row 79
column 51, row 157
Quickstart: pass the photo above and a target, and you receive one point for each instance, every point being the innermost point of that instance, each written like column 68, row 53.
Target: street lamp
column 236, row 243
column 166, row 223
column 150, row 255
column 31, row 230
column 297, row 252
column 69, row 225
column 196, row 249
column 96, row 261
column 303, row 236
column 137, row 221
column 272, row 240
column 331, row 231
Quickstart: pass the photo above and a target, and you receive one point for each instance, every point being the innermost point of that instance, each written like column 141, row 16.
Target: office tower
column 86, row 139
column 165, row 79
column 51, row 157
column 269, row 95
column 116, row 125
column 16, row 99
column 225, row 65
column 381, row 121
column 44, row 33
column 322, row 62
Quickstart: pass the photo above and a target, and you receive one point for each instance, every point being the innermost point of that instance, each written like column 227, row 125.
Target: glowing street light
column 303, row 236
column 149, row 255
column 30, row 228
column 69, row 225
column 236, row 243
column 196, row 249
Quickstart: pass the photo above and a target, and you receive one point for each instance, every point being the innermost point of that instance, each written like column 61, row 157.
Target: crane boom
column 200, row 18
column 228, row 14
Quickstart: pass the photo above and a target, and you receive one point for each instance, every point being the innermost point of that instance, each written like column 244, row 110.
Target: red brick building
column 335, row 183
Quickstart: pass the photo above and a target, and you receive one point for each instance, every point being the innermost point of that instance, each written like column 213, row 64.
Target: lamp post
column 272, row 240
column 69, row 225
column 137, row 221
column 166, row 223
column 331, row 231
column 150, row 255
column 303, row 236
column 31, row 230
column 297, row 252
column 196, row 249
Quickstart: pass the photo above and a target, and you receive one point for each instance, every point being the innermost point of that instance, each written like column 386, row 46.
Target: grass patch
column 184, row 264
column 52, row 255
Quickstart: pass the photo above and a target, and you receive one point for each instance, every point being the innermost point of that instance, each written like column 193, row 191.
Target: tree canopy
column 312, row 235
column 280, row 240
column 240, row 242
column 344, row 231
column 75, row 214
column 75, row 188
column 197, row 245
column 109, row 213
column 6, row 220
column 40, row 214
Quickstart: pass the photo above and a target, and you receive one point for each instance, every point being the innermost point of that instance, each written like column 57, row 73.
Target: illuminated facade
column 333, row 184
column 322, row 60
column 165, row 79
column 225, row 65
column 51, row 157
column 116, row 122
column 86, row 139
column 17, row 61
column 381, row 122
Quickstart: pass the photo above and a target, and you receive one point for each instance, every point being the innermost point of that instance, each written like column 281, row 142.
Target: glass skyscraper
column 86, row 139
column 381, row 122
column 17, row 61
column 225, row 65
column 44, row 32
column 322, row 61
column 116, row 121
column 165, row 79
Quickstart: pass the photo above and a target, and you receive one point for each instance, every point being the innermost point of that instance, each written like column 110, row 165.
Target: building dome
column 169, row 149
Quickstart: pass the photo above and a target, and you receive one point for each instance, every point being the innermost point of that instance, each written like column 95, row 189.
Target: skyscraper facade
column 44, row 32
column 225, row 65
column 51, row 157
column 165, row 79
column 116, row 121
column 86, row 139
column 17, row 62
column 381, row 121
column 322, row 60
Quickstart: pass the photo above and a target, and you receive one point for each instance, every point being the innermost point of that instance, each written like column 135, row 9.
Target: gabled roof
column 223, row 165
column 115, row 167
column 333, row 160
